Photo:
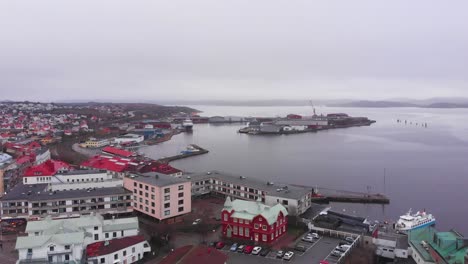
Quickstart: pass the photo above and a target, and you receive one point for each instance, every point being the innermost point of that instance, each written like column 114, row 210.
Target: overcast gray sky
column 220, row 49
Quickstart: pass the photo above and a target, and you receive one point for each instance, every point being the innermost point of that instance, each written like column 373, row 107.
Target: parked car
column 288, row 255
column 240, row 248
column 265, row 251
column 336, row 253
column 248, row 249
column 220, row 245
column 196, row 222
column 349, row 239
column 315, row 235
column 300, row 247
column 280, row 254
column 308, row 238
column 233, row 247
column 341, row 249
column 256, row 250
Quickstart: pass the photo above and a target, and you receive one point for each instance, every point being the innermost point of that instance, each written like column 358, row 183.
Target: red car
column 248, row 249
column 219, row 245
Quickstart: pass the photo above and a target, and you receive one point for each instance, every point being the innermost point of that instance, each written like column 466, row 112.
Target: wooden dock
column 200, row 151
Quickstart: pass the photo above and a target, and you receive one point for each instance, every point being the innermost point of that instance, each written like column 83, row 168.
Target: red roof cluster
column 100, row 248
column 25, row 148
column 115, row 164
column 159, row 167
column 48, row 168
column 118, row 152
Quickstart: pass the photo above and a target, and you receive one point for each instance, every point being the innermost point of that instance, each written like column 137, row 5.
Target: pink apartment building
column 160, row 196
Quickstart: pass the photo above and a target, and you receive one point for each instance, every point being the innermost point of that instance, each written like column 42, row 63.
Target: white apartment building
column 63, row 240
column 74, row 176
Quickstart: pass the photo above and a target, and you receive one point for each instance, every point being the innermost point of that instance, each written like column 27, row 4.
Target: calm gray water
column 426, row 168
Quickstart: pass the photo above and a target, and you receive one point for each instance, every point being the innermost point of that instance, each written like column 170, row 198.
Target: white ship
column 410, row 221
column 187, row 124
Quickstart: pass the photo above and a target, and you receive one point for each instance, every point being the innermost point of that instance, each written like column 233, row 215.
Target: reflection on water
column 425, row 167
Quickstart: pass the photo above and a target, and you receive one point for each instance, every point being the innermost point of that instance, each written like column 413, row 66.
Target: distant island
column 427, row 103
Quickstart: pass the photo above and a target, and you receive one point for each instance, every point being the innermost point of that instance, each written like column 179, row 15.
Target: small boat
column 410, row 221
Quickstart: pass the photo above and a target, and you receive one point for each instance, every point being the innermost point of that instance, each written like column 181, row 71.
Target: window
column 67, row 246
column 167, row 205
column 264, row 227
column 29, row 250
column 235, row 220
column 234, row 230
column 272, row 236
column 96, row 228
column 152, row 211
column 167, row 212
column 181, row 209
column 152, row 204
column 246, row 233
column 116, row 256
column 241, row 231
column 107, row 235
column 256, row 226
column 51, row 248
column 152, row 196
column 181, row 187
column 264, row 237
column 133, row 249
column 103, row 260
column 167, row 198
column 181, row 202
column 141, row 185
column 146, row 187
column 181, row 194
column 167, row 190
column 241, row 221
column 67, row 257
column 125, row 253
column 114, row 234
column 247, row 222
column 96, row 236
column 152, row 189
column 225, row 217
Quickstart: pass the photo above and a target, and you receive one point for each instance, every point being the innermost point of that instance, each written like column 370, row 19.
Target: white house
column 122, row 250
column 128, row 138
column 63, row 240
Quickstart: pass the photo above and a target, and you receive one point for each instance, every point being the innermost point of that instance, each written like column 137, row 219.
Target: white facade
column 71, row 177
column 127, row 255
column 129, row 138
column 64, row 240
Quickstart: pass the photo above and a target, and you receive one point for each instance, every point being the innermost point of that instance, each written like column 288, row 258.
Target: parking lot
column 314, row 252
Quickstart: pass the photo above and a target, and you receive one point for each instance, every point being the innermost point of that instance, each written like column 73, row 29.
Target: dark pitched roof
column 100, row 248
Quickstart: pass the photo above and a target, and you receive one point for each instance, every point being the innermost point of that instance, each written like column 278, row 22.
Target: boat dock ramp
column 192, row 150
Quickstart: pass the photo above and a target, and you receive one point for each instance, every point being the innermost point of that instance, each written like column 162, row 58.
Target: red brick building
column 253, row 221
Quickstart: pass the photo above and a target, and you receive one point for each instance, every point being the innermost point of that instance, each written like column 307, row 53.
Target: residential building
column 428, row 246
column 35, row 201
column 296, row 199
column 64, row 240
column 121, row 250
column 160, row 196
column 74, row 176
column 253, row 220
column 129, row 138
column 95, row 143
column 47, row 169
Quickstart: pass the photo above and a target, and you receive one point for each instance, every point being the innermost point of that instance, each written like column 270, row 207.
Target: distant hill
column 375, row 104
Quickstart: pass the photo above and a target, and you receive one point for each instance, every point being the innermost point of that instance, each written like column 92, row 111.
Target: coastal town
column 75, row 188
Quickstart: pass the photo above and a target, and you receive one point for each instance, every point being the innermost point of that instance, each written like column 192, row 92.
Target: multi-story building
column 296, row 199
column 36, row 201
column 160, row 196
column 95, row 143
column 122, row 250
column 253, row 220
column 64, row 240
column 74, row 176
column 129, row 138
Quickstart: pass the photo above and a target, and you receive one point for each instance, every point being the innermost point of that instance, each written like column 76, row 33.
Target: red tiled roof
column 48, row 168
column 195, row 255
column 24, row 159
column 116, row 164
column 159, row 167
column 100, row 249
column 118, row 152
